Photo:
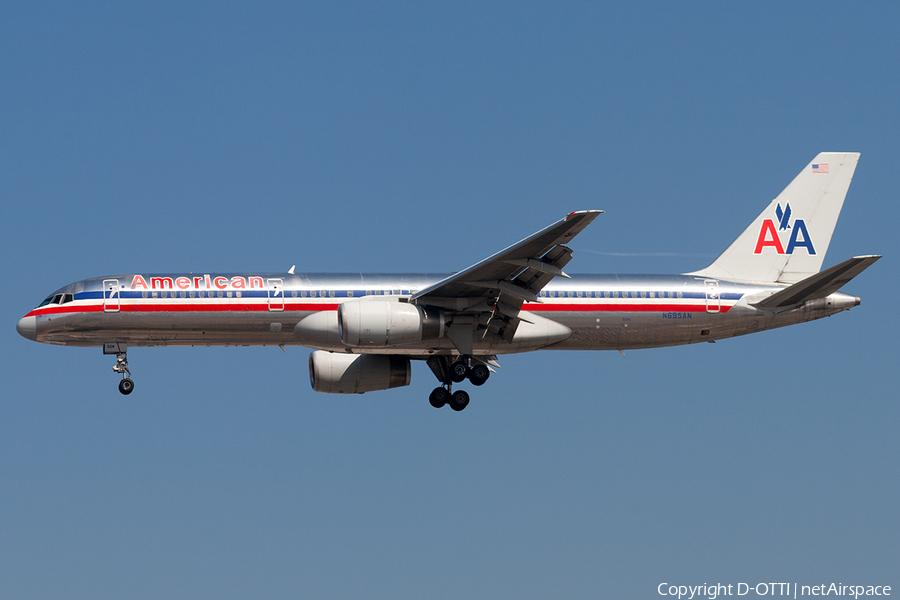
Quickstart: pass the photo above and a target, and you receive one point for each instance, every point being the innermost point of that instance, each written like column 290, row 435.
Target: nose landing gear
column 126, row 386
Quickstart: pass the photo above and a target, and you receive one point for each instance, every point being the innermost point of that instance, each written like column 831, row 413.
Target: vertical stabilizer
column 787, row 242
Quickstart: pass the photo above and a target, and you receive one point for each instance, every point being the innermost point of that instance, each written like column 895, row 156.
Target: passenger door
column 275, row 288
column 111, row 295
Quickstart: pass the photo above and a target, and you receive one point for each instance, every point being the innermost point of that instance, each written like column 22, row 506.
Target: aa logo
column 770, row 236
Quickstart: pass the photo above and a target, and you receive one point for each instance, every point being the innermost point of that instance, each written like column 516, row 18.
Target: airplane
column 365, row 329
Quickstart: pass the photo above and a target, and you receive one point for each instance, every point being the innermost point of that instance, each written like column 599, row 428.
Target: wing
column 489, row 294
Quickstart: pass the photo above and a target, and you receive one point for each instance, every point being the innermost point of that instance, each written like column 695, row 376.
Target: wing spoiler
column 819, row 285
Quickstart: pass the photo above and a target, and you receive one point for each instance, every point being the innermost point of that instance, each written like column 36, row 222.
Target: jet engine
column 339, row 373
column 379, row 324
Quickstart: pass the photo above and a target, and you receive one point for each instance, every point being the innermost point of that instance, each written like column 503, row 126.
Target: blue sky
column 423, row 137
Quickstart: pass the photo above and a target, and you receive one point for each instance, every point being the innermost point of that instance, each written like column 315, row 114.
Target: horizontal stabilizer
column 819, row 285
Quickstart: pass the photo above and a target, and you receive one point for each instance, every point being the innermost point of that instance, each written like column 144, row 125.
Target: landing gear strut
column 449, row 373
column 126, row 386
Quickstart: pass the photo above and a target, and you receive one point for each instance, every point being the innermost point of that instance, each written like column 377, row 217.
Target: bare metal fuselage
column 603, row 312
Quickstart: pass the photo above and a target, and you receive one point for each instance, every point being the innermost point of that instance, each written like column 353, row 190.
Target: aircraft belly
column 171, row 328
column 627, row 330
column 591, row 330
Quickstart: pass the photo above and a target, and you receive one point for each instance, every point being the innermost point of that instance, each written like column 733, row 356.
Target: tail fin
column 787, row 242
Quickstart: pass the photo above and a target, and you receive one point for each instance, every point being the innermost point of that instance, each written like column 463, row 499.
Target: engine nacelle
column 375, row 323
column 319, row 330
column 339, row 373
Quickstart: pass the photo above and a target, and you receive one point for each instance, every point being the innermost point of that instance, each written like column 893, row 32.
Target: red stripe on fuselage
column 621, row 307
column 312, row 307
column 224, row 307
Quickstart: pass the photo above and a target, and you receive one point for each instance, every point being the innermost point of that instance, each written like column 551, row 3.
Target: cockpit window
column 57, row 299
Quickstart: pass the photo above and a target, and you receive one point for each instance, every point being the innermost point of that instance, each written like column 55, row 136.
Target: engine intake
column 338, row 373
column 380, row 324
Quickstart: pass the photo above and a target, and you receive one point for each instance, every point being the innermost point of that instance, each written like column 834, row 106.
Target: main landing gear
column 126, row 386
column 440, row 396
column 449, row 373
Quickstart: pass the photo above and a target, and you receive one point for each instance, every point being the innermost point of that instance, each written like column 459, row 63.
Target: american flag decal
column 820, row 167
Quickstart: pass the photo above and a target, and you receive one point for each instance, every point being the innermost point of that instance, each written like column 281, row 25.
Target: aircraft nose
column 27, row 328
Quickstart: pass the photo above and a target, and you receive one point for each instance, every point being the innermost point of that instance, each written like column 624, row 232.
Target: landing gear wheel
column 126, row 386
column 479, row 374
column 439, row 397
column 459, row 400
column 458, row 371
